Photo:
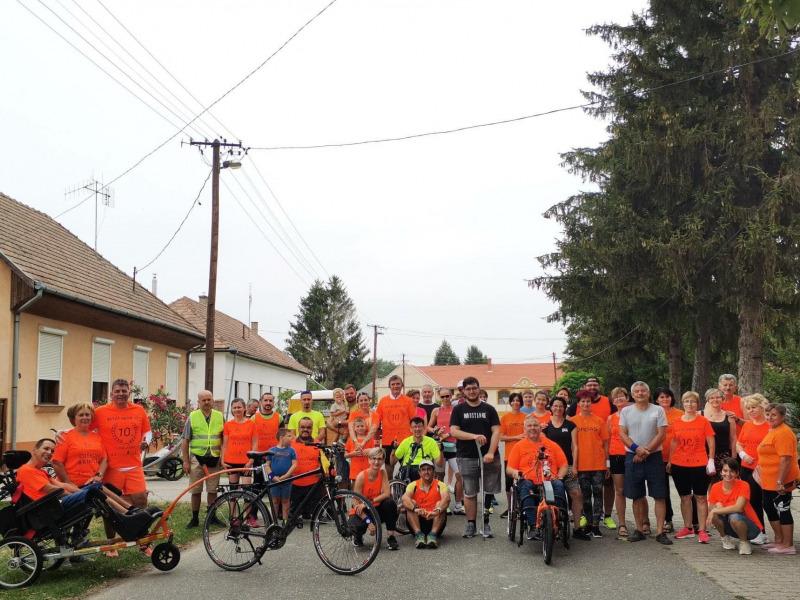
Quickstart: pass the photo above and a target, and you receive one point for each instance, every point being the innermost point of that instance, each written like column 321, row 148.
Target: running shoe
column 487, row 531
column 433, row 541
column 495, row 502
column 504, row 514
column 419, row 540
column 760, row 539
column 459, row 510
column 584, row 522
column 358, row 540
column 532, row 534
column 609, row 522
column 391, row 542
column 703, row 537
column 636, row 536
column 663, row 538
column 728, row 543
column 251, row 520
column 192, row 524
column 684, row 533
column 490, row 510
column 596, row 532
column 581, row 534
column 745, row 548
column 471, row 530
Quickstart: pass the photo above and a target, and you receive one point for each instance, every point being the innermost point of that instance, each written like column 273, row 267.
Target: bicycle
column 250, row 527
column 552, row 520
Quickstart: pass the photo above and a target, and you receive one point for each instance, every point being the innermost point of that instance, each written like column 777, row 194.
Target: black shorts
column 690, row 480
column 617, row 464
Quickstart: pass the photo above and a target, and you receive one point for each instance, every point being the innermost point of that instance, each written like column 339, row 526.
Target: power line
column 412, row 333
column 179, row 226
column 522, row 118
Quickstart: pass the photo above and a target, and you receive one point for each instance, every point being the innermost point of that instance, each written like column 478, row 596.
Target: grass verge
column 78, row 580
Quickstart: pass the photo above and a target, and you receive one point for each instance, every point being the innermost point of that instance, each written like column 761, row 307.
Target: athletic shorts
column 196, row 473
column 571, row 483
column 645, row 478
column 281, row 490
column 130, row 482
column 690, row 480
column 617, row 464
column 470, row 470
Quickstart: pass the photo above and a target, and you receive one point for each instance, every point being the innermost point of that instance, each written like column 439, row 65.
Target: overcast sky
column 432, row 236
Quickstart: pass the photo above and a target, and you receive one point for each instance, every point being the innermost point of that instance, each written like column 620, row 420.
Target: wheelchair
column 40, row 535
column 552, row 520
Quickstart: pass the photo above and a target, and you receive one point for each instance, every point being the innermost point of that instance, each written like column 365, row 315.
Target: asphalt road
column 471, row 569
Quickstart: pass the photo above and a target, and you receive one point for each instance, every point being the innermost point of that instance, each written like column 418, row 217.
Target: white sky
column 432, row 235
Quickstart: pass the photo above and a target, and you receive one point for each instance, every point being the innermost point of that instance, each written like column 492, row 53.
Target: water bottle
column 546, row 468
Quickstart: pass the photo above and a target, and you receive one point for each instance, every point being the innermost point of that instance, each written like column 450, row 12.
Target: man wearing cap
column 426, row 501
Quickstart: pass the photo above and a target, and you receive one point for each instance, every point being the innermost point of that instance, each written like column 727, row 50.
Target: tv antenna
column 102, row 195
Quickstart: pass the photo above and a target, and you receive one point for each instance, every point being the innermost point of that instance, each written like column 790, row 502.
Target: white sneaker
column 744, row 548
column 728, row 543
column 760, row 539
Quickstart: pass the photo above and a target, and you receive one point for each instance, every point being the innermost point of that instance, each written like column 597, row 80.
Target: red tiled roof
column 229, row 332
column 500, row 376
column 40, row 249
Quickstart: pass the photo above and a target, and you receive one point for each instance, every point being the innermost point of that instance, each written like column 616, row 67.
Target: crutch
column 482, row 502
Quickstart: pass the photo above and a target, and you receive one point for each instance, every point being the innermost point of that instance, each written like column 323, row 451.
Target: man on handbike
column 523, row 468
column 416, row 448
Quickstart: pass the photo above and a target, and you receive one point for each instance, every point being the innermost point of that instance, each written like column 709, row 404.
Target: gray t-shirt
column 643, row 424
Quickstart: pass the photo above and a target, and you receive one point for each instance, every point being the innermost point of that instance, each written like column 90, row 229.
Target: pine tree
column 475, row 356
column 445, row 355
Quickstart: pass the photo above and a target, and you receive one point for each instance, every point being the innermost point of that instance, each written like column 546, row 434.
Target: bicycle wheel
column 20, row 562
column 548, row 530
column 243, row 520
column 566, row 533
column 397, row 489
column 336, row 543
column 511, row 524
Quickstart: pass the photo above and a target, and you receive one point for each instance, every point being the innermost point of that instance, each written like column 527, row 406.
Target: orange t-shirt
column 778, row 442
column 601, row 408
column 372, row 489
column 307, row 460
column 33, row 480
column 544, row 419
column 525, row 454
column 122, row 431
column 358, row 463
column 266, row 428
column 750, row 437
column 740, row 489
column 734, row 406
column 615, row 445
column 426, row 499
column 240, row 441
column 372, row 419
column 512, row 424
column 395, row 415
column 81, row 455
column 592, row 432
column 691, row 437
column 672, row 415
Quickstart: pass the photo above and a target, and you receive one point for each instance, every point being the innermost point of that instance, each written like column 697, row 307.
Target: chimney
column 489, row 364
column 254, row 326
column 154, row 285
column 203, row 300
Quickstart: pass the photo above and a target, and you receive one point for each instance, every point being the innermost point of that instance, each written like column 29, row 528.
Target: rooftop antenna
column 250, row 304
column 102, row 195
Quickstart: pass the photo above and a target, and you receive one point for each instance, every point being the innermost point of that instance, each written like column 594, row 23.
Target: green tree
column 445, row 355
column 326, row 336
column 475, row 357
column 385, row 367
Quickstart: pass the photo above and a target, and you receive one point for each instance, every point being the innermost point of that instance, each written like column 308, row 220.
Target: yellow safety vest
column 206, row 437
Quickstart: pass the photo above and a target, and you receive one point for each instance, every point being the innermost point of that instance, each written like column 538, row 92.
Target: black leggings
column 387, row 511
column 778, row 507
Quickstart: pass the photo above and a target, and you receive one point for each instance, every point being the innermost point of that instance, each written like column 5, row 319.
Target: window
column 172, row 374
column 141, row 367
column 101, row 367
column 51, row 350
column 502, row 396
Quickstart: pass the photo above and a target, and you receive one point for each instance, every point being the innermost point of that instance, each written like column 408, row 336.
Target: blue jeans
column 752, row 528
column 73, row 500
column 530, row 500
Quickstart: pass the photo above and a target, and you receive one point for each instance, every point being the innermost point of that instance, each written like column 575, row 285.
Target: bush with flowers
column 166, row 417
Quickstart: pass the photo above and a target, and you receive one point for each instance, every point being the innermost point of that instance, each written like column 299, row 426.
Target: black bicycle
column 250, row 527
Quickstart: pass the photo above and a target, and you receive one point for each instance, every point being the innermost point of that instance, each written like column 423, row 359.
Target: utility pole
column 212, row 269
column 404, row 370
column 375, row 335
column 555, row 370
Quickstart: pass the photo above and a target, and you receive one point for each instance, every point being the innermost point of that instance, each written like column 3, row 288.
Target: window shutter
column 172, row 376
column 50, row 347
column 101, row 362
column 141, row 361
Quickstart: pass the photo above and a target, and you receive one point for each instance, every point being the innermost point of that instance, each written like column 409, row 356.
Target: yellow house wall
column 6, row 337
column 34, row 422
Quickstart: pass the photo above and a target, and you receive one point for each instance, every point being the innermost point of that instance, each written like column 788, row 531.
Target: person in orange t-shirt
column 750, row 437
column 512, row 430
column 125, row 430
column 665, row 398
column 690, row 464
column 779, row 474
column 395, row 412
column 308, row 459
column 730, row 511
column 593, row 463
column 357, row 447
column 731, row 403
column 267, row 423
column 541, row 402
column 81, row 457
column 238, row 438
column 616, row 457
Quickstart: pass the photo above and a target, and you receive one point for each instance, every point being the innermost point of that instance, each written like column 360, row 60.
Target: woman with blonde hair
column 754, row 430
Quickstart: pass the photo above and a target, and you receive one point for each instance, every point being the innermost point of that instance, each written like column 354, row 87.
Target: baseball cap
column 460, row 384
column 426, row 462
column 592, row 378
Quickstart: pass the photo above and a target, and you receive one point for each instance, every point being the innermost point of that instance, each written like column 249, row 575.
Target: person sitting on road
column 730, row 511
column 413, row 450
column 522, row 466
column 426, row 501
column 280, row 466
column 373, row 483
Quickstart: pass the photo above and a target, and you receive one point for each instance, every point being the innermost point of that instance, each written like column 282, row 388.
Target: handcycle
column 40, row 535
column 397, row 487
column 552, row 517
column 250, row 526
